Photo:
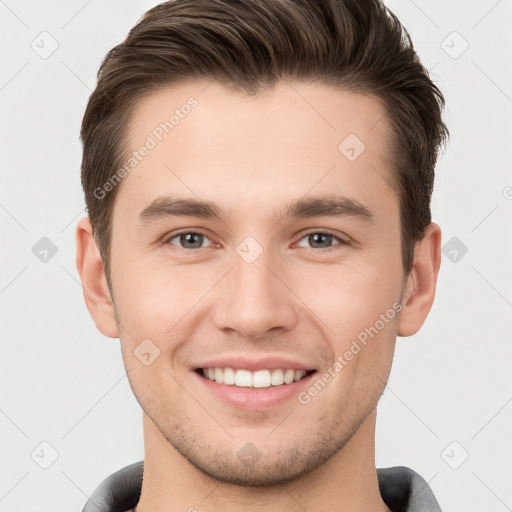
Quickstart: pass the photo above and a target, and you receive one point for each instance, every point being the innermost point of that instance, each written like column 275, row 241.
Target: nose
column 255, row 298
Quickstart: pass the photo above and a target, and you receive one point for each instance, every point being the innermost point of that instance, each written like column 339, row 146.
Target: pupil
column 189, row 237
column 316, row 237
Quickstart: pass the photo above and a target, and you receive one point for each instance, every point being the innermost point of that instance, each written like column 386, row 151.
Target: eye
column 188, row 239
column 323, row 240
column 318, row 240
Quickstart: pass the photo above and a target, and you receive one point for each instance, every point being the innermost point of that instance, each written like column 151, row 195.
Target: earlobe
column 420, row 287
column 94, row 284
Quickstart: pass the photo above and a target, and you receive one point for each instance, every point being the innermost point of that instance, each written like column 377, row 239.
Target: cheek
column 160, row 303
column 351, row 297
column 143, row 291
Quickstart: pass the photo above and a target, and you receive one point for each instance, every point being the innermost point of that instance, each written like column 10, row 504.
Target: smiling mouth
column 258, row 379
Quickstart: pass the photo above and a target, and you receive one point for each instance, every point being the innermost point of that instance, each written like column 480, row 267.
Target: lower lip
column 255, row 398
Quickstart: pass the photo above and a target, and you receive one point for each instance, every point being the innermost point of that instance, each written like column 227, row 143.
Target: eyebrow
column 313, row 206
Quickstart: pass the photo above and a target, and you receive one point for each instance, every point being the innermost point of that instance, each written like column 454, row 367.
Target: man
column 258, row 177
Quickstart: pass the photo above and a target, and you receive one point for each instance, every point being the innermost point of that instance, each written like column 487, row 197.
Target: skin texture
column 252, row 156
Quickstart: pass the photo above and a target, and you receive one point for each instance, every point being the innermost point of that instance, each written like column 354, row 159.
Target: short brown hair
column 248, row 45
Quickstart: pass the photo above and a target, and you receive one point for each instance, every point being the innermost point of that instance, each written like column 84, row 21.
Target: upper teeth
column 257, row 379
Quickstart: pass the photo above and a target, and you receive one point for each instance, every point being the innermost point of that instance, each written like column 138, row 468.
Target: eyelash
column 312, row 232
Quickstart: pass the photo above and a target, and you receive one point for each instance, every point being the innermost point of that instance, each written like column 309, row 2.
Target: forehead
column 301, row 109
column 206, row 140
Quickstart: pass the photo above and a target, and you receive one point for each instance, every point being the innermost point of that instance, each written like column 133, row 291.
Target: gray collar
column 401, row 488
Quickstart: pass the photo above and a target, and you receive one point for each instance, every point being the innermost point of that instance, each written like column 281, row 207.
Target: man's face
column 256, row 289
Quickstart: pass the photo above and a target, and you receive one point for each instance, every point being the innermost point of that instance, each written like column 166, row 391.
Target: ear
column 420, row 287
column 94, row 283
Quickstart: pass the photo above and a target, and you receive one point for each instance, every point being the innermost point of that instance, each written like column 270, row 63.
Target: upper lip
column 254, row 364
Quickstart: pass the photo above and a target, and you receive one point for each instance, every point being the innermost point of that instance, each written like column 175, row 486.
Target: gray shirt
column 401, row 488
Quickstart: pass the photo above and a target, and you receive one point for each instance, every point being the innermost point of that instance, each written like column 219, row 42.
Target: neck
column 347, row 481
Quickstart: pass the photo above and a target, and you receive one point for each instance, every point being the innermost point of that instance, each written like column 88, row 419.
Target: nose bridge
column 256, row 300
column 254, row 280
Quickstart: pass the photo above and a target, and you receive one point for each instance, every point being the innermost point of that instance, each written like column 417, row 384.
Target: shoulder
column 119, row 491
column 402, row 488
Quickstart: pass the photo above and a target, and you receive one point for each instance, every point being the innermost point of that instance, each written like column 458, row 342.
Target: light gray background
column 63, row 383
